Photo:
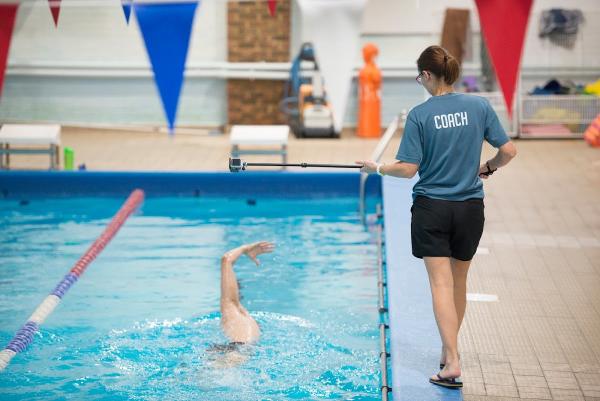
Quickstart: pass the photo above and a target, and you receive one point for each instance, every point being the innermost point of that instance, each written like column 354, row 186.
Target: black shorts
column 446, row 228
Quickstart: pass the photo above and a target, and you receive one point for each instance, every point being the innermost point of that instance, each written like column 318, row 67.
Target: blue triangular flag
column 126, row 9
column 166, row 28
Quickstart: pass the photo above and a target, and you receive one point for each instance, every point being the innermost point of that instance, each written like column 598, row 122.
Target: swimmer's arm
column 397, row 169
column 230, row 292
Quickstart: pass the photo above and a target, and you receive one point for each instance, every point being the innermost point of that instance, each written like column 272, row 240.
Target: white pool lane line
column 414, row 339
column 482, row 251
column 475, row 297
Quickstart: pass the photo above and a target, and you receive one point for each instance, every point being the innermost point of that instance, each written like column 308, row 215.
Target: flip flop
column 447, row 382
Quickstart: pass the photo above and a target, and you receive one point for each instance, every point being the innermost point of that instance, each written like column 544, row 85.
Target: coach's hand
column 368, row 166
column 485, row 171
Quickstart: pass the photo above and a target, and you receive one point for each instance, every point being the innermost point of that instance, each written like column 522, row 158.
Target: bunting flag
column 505, row 45
column 55, row 10
column 334, row 29
column 8, row 13
column 166, row 29
column 126, row 9
column 272, row 7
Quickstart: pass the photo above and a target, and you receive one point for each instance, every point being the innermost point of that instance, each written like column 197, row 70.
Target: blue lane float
column 64, row 285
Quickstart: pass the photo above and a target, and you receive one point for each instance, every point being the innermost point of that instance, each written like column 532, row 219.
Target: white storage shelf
column 571, row 113
column 548, row 116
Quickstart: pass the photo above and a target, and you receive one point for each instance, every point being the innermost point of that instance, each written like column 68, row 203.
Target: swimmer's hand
column 257, row 248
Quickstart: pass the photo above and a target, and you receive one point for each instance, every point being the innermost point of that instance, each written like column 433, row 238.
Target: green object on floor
column 69, row 158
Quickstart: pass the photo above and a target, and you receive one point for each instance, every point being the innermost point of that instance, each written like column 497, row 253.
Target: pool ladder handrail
column 397, row 122
column 381, row 285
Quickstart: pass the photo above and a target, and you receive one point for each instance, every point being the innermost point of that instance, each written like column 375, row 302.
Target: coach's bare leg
column 460, row 270
column 441, row 282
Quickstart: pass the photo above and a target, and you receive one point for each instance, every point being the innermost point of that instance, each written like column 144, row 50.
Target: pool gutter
column 384, row 355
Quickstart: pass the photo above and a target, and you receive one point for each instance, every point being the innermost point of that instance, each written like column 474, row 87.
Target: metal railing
column 382, row 145
column 382, row 308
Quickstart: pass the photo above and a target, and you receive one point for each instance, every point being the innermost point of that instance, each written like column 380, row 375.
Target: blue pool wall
column 15, row 184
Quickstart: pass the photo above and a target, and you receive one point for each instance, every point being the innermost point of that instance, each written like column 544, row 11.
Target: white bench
column 260, row 135
column 46, row 136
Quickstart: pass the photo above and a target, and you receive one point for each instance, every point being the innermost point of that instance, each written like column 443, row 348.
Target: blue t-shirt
column 444, row 136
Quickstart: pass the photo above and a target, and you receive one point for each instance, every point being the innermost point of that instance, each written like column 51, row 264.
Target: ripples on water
column 143, row 323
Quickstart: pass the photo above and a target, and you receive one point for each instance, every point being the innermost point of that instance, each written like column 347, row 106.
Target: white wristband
column 379, row 165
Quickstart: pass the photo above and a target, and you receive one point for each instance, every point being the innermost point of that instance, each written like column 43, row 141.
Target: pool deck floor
column 539, row 255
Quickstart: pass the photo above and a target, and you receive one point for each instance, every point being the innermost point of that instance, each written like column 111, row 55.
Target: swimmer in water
column 236, row 322
column 240, row 328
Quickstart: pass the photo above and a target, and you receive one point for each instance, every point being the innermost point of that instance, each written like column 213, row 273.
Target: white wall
column 93, row 69
column 411, row 25
column 98, row 36
column 403, row 28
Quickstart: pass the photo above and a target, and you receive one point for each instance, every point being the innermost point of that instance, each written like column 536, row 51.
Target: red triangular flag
column 7, row 23
column 272, row 7
column 504, row 23
column 55, row 10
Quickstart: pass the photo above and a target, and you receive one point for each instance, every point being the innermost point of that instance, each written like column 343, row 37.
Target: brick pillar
column 253, row 36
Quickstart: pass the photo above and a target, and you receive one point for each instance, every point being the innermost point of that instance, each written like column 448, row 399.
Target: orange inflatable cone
column 369, row 96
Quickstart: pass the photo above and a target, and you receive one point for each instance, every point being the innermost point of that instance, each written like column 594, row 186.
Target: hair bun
column 440, row 63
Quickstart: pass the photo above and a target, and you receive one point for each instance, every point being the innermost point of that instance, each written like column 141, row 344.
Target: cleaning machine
column 305, row 102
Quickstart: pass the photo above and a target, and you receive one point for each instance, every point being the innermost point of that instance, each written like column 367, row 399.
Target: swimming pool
column 140, row 323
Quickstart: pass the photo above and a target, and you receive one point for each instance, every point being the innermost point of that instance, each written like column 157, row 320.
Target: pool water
column 141, row 321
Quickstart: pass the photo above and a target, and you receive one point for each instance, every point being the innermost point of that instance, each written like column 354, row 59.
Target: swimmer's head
column 227, row 355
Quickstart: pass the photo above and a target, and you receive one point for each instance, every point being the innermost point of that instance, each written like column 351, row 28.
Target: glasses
column 419, row 77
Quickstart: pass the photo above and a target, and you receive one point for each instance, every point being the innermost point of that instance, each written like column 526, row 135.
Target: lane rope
column 25, row 334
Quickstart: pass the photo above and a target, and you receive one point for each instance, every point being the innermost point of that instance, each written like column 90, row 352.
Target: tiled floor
column 541, row 340
column 199, row 150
